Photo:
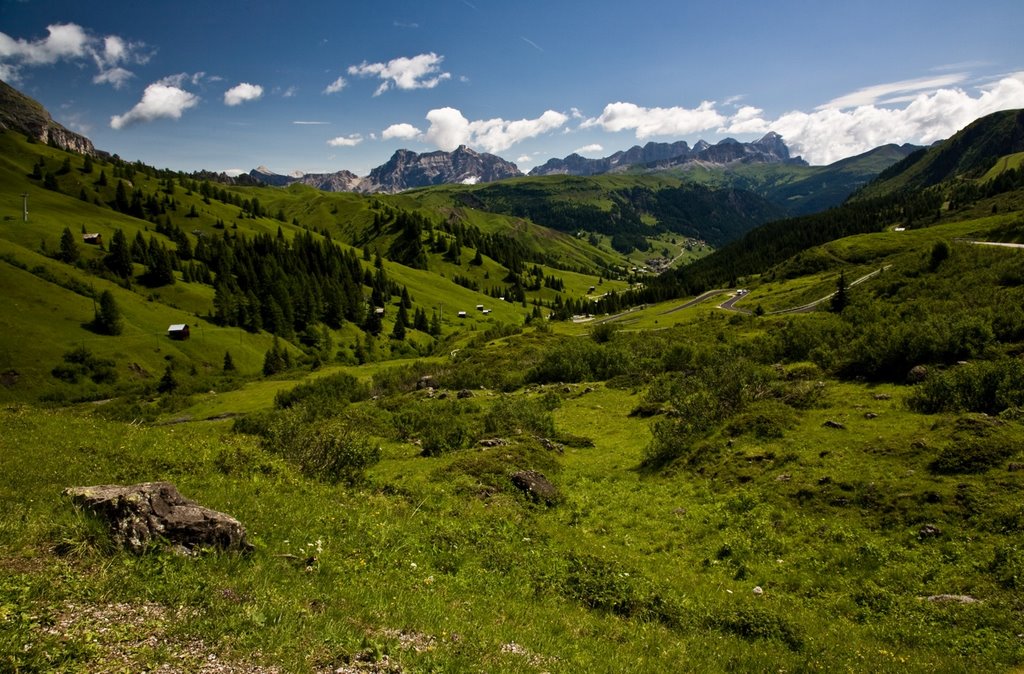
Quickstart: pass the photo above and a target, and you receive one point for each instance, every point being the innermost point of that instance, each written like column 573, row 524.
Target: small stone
column 952, row 599
column 758, row 591
column 833, row 424
column 870, row 415
column 929, row 531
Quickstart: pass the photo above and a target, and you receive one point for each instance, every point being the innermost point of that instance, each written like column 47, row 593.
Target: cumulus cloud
column 830, row 134
column 747, row 119
column 649, row 122
column 242, row 93
column 346, row 141
column 449, row 129
column 417, row 72
column 70, row 42
column 402, row 131
column 335, row 86
column 159, row 100
column 593, row 148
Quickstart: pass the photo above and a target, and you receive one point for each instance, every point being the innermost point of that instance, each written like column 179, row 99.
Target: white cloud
column 305, row 123
column 523, row 158
column 471, row 180
column 289, row 92
column 335, row 86
column 233, row 172
column 830, row 134
column 418, row 72
column 70, row 42
column 747, row 119
column 874, row 94
column 648, row 122
column 242, row 93
column 593, row 148
column 117, row 77
column 449, row 129
column 346, row 141
column 65, row 41
column 403, row 131
column 159, row 100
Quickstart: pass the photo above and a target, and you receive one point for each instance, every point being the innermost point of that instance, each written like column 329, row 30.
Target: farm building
column 93, row 239
column 178, row 331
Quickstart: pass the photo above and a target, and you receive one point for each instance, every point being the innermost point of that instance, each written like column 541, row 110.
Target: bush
column 758, row 623
column 439, row 426
column 604, row 585
column 975, row 455
column 515, row 415
column 985, row 386
column 324, row 393
column 764, row 420
column 333, row 450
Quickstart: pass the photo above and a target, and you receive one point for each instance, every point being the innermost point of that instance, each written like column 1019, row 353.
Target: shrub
column 975, row 455
column 985, row 386
column 515, row 415
column 440, row 426
column 332, row 450
column 324, row 393
column 752, row 622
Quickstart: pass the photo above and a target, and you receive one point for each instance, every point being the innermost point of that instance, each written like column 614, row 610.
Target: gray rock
column 917, row 374
column 833, row 424
column 952, row 599
column 536, row 486
column 150, row 512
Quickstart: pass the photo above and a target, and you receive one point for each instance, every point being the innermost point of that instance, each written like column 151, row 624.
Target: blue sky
column 324, row 86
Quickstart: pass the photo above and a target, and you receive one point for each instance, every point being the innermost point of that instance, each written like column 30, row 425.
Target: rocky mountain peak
column 20, row 113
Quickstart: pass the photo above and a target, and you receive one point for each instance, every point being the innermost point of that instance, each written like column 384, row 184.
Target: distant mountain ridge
column 20, row 113
column 770, row 149
column 405, row 170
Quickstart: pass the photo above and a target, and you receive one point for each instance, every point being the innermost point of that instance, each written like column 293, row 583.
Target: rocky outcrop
column 405, row 170
column 20, row 113
column 152, row 512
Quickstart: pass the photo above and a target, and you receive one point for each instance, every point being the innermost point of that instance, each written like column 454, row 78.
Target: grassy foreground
column 430, row 565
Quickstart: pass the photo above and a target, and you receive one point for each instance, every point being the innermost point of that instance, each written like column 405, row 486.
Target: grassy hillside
column 732, row 493
column 731, row 486
column 970, row 154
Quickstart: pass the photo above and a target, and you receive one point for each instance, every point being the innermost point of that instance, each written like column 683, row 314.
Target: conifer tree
column 400, row 324
column 168, row 382
column 119, row 256
column 69, row 252
column 840, row 299
column 108, row 316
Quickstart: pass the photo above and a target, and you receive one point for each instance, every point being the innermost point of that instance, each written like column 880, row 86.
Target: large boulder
column 536, row 486
column 141, row 514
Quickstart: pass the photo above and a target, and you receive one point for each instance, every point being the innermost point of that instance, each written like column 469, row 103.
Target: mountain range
column 408, row 170
column 770, row 149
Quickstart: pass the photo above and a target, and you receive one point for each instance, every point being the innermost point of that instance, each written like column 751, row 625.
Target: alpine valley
column 681, row 408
